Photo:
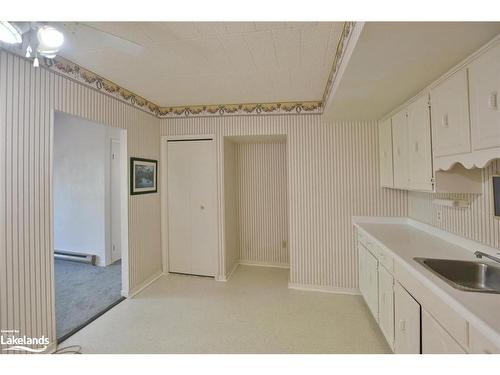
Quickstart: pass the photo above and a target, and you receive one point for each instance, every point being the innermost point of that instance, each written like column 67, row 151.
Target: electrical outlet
column 439, row 216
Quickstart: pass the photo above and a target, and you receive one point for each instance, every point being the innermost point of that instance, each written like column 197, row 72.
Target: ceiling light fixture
column 9, row 33
column 50, row 41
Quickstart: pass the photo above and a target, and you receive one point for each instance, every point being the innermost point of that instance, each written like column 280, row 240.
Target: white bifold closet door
column 192, row 207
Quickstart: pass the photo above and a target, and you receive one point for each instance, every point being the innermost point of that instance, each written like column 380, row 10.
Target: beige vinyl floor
column 254, row 312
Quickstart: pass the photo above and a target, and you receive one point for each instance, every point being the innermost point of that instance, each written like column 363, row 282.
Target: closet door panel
column 179, row 212
column 203, row 205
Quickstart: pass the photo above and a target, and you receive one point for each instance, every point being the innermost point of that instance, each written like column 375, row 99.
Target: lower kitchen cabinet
column 407, row 322
column 386, row 304
column 369, row 279
column 435, row 340
column 478, row 344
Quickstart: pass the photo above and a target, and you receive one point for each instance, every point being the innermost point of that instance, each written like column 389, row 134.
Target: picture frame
column 143, row 176
column 495, row 182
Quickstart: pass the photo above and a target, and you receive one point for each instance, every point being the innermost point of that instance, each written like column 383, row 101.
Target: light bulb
column 36, row 63
column 49, row 40
column 28, row 51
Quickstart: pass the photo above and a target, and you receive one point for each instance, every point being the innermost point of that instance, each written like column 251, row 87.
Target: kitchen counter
column 407, row 239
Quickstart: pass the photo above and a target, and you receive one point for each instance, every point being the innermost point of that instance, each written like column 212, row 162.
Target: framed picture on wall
column 143, row 176
column 496, row 195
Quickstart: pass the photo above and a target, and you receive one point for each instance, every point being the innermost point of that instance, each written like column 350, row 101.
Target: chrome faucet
column 480, row 254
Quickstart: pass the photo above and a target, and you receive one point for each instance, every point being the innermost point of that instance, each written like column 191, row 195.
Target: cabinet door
column 368, row 279
column 407, row 322
column 478, row 344
column 361, row 269
column 435, row 340
column 386, row 304
column 371, row 265
column 484, row 87
column 419, row 145
column 400, row 149
column 450, row 116
column 385, row 153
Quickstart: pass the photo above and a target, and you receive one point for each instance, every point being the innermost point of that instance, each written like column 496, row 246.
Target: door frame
column 164, row 195
column 125, row 280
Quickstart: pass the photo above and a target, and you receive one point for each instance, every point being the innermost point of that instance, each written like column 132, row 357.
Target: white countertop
column 407, row 239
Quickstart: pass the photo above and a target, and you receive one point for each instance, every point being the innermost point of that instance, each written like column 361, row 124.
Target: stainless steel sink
column 465, row 275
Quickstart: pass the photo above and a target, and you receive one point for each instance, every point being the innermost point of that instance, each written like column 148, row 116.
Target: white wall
column 332, row 174
column 477, row 222
column 263, row 203
column 81, row 186
column 28, row 98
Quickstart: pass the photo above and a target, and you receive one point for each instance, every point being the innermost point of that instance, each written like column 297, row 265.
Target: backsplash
column 476, row 222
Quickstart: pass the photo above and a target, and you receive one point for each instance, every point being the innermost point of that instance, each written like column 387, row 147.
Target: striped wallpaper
column 476, row 223
column 262, row 203
column 332, row 174
column 28, row 97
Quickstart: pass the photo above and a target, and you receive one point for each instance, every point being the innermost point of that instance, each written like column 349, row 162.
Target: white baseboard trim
column 145, row 284
column 228, row 276
column 324, row 289
column 264, row 264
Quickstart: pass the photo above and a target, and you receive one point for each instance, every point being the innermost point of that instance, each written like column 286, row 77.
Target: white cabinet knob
column 492, row 101
column 402, row 325
column 444, row 120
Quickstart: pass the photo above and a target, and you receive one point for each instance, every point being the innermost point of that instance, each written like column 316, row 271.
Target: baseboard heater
column 74, row 257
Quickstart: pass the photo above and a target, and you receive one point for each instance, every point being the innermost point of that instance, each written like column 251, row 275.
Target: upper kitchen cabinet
column 484, row 86
column 400, row 149
column 385, row 153
column 450, row 116
column 419, row 145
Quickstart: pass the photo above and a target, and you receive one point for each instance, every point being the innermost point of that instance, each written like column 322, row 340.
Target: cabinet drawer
column 478, row 344
column 435, row 340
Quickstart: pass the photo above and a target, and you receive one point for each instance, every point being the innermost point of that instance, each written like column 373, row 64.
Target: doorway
column 89, row 220
column 256, row 201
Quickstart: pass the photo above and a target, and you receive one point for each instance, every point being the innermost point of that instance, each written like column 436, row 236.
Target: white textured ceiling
column 188, row 63
column 392, row 62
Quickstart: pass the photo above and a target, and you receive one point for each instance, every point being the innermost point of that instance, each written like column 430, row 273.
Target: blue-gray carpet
column 83, row 291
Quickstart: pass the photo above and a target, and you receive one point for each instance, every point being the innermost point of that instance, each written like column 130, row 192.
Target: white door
column 484, row 88
column 435, row 340
column 385, row 153
column 400, row 146
column 450, row 116
column 369, row 280
column 192, row 207
column 407, row 322
column 386, row 304
column 419, row 144
column 115, row 202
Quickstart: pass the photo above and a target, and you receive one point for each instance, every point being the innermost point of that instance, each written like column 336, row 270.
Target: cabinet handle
column 492, row 101
column 416, row 146
column 398, row 151
column 444, row 120
column 402, row 325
